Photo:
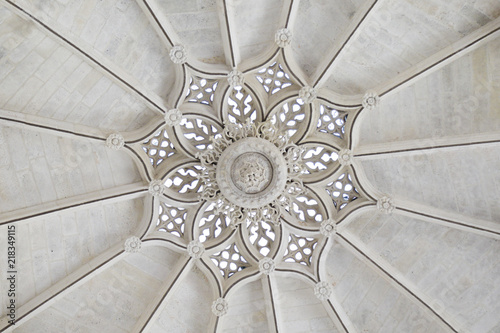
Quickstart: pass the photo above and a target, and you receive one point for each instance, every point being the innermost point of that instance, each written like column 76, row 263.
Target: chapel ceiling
column 282, row 166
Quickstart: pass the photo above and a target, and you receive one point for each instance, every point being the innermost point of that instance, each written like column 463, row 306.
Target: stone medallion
column 251, row 172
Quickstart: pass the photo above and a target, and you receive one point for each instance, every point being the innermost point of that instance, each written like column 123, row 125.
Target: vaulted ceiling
column 76, row 74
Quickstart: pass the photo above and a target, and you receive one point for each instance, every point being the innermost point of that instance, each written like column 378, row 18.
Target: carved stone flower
column 115, row 141
column 195, row 249
column 308, row 94
column 345, row 157
column 370, row 100
column 323, row 290
column 283, row 37
column 178, row 54
column 328, row 228
column 173, row 117
column 266, row 265
column 219, row 307
column 132, row 244
column 156, row 187
column 385, row 205
column 235, row 78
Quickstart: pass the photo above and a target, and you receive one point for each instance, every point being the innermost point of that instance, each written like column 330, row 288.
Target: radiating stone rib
column 440, row 59
column 338, row 315
column 229, row 40
column 389, row 273
column 48, row 125
column 83, row 201
column 108, row 68
column 343, row 41
column 405, row 147
column 63, row 287
column 273, row 318
column 448, row 219
column 159, row 22
column 159, row 302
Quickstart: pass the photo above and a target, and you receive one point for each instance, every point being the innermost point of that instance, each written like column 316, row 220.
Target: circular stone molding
column 251, row 172
column 133, row 244
column 173, row 117
column 219, row 307
column 283, row 37
column 115, row 141
column 195, row 249
column 323, row 290
column 178, row 54
column 266, row 265
column 156, row 187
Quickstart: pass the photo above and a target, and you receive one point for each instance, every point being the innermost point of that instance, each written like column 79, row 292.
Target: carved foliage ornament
column 250, row 172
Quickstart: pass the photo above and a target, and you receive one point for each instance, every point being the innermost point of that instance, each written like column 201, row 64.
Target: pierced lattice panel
column 242, row 106
column 185, row 180
column 198, row 131
column 212, row 224
column 300, row 249
column 171, row 219
column 289, row 116
column 201, row 90
column 274, row 78
column 305, row 208
column 158, row 148
column 262, row 235
column 229, row 261
column 332, row 121
column 317, row 158
column 342, row 191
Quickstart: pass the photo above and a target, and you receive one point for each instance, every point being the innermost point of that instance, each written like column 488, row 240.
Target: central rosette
column 251, row 172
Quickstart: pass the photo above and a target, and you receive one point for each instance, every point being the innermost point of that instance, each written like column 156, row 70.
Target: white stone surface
column 197, row 24
column 299, row 309
column 189, row 306
column 247, row 310
column 402, row 33
column 436, row 107
column 448, row 265
column 42, row 76
column 370, row 301
column 36, row 168
column 111, row 300
column 462, row 181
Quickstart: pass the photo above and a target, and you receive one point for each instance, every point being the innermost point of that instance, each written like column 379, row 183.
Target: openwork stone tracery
column 257, row 171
